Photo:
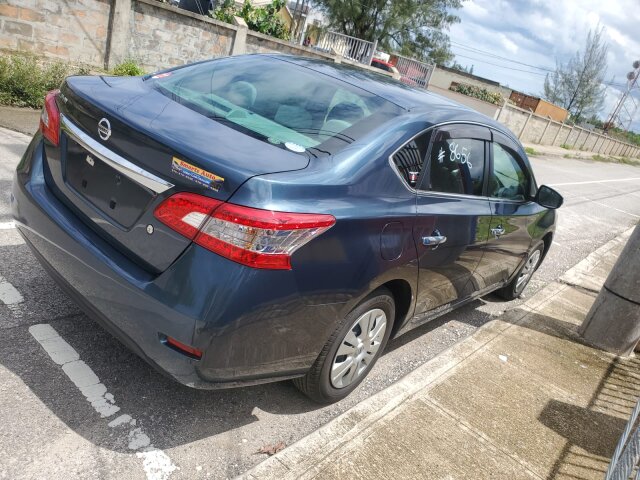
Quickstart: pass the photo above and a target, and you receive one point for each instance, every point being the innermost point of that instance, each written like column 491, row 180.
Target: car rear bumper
column 274, row 337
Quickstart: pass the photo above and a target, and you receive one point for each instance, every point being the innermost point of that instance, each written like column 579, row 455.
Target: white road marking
column 156, row 464
column 8, row 293
column 594, row 181
column 556, row 243
column 7, row 225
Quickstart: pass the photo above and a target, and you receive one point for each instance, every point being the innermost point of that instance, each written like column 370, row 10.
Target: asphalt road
column 50, row 429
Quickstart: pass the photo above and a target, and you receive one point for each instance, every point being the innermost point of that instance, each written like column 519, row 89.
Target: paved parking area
column 52, row 422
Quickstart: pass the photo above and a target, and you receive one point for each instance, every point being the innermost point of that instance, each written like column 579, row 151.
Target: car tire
column 515, row 288
column 326, row 382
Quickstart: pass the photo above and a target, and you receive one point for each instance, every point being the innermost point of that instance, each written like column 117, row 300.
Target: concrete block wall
column 531, row 128
column 71, row 30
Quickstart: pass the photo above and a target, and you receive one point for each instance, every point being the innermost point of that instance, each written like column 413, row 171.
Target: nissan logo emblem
column 104, row 129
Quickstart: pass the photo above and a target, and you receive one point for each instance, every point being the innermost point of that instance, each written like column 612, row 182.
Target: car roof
column 407, row 97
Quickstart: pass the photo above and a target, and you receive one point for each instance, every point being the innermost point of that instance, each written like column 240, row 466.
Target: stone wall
column 167, row 37
column 102, row 33
column 71, row 30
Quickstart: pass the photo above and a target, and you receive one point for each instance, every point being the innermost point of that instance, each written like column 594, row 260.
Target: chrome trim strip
column 122, row 165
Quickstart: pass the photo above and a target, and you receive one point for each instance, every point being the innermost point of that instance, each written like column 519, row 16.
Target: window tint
column 456, row 166
column 508, row 179
column 410, row 158
column 277, row 102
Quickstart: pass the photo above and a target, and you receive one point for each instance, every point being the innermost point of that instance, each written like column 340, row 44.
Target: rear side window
column 456, row 165
column 277, row 102
column 410, row 159
column 508, row 179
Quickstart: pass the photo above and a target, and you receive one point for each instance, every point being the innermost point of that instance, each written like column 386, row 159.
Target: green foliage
column 615, row 132
column 478, row 92
column 414, row 28
column 259, row 19
column 530, row 151
column 24, row 81
column 565, row 146
column 128, row 68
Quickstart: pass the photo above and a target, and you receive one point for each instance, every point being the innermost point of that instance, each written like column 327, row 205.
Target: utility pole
column 613, row 323
column 626, row 108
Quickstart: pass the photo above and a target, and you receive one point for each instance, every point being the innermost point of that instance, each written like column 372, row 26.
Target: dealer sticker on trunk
column 196, row 174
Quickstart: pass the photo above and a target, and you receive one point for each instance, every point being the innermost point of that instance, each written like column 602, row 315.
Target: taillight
column 250, row 236
column 50, row 118
column 186, row 212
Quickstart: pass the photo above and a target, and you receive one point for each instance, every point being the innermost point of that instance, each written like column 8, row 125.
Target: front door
column 453, row 215
column 510, row 188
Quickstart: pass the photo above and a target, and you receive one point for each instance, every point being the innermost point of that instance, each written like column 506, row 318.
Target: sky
column 537, row 32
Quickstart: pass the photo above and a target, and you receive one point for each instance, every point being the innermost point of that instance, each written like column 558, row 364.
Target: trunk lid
column 125, row 147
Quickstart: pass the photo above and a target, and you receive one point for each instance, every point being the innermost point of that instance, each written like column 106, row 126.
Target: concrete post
column 586, row 139
column 239, row 46
column 524, row 127
column 557, row 133
column 118, row 33
column 373, row 51
column 545, row 130
column 613, row 323
column 504, row 105
column 575, row 143
column 568, row 135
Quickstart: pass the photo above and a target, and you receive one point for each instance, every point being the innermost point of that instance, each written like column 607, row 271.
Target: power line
column 506, row 67
column 460, row 45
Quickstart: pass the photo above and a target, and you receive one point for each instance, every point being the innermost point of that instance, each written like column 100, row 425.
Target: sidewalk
column 23, row 120
column 521, row 398
column 553, row 151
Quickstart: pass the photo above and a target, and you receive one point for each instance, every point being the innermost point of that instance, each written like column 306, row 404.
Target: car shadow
column 170, row 414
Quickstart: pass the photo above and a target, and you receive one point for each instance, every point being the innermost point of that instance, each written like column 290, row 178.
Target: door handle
column 434, row 240
column 497, row 231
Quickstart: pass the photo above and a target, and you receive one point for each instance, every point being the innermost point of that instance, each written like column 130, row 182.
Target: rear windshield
column 277, row 102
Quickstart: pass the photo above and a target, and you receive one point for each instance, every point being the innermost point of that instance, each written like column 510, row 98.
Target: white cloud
column 537, row 32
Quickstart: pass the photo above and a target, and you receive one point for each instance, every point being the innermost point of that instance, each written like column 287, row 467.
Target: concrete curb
column 22, row 120
column 301, row 458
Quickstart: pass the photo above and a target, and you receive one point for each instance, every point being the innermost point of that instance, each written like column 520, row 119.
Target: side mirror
column 548, row 197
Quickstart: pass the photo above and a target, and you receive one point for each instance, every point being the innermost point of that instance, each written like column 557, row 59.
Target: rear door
column 452, row 215
column 510, row 186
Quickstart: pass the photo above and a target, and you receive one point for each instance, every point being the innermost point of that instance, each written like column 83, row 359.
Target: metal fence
column 627, row 454
column 413, row 72
column 349, row 47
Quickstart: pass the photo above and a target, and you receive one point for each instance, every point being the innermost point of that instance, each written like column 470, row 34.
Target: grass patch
column 25, row 79
column 530, row 151
column 128, row 68
column 624, row 160
column 565, row 146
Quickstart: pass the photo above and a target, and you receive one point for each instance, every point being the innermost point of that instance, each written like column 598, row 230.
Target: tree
column 263, row 19
column 414, row 28
column 577, row 84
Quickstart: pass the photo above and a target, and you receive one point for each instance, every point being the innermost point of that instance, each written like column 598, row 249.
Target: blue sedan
column 261, row 218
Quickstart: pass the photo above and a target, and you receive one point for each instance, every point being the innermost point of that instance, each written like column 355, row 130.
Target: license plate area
column 108, row 190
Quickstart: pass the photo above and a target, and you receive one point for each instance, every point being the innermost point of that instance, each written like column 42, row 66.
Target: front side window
column 277, row 102
column 456, row 165
column 508, row 179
